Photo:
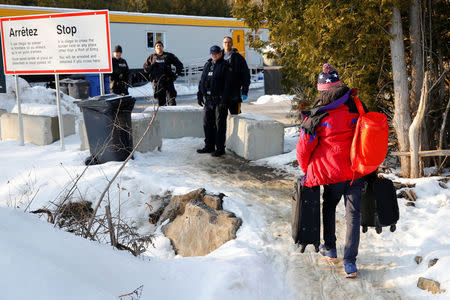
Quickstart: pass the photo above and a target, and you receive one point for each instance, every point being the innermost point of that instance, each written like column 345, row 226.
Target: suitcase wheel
column 302, row 248
column 393, row 228
column 364, row 229
column 316, row 246
column 378, row 229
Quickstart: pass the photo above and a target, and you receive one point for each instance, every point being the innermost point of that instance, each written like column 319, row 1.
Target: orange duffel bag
column 370, row 141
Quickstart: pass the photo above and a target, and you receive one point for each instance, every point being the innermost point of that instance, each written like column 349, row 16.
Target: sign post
column 67, row 43
column 2, row 75
column 60, row 116
column 19, row 112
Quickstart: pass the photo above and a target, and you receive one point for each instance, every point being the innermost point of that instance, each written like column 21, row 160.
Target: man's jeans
column 352, row 198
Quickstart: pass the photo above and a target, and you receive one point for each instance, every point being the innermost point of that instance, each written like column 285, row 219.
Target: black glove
column 200, row 99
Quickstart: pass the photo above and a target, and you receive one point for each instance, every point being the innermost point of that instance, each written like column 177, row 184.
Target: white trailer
column 188, row 37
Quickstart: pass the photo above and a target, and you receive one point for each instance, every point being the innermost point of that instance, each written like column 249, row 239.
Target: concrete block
column 84, row 142
column 153, row 139
column 180, row 121
column 39, row 130
column 253, row 137
column 139, row 123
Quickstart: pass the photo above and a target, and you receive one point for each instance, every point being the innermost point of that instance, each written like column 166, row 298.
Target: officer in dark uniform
column 118, row 81
column 213, row 94
column 240, row 75
column 158, row 68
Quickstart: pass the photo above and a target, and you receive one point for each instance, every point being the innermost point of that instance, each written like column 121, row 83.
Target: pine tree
column 306, row 34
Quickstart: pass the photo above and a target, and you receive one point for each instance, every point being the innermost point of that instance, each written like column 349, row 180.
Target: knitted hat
column 214, row 49
column 328, row 78
column 118, row 48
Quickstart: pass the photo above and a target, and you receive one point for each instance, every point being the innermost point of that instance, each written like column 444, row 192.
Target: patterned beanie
column 328, row 78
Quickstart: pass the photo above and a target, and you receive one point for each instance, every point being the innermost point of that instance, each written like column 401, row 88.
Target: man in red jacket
column 323, row 153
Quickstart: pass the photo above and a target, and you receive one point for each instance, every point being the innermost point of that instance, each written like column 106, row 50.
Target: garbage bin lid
column 109, row 97
column 79, row 81
column 107, row 102
column 66, row 80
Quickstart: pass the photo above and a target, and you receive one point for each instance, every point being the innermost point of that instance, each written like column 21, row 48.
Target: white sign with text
column 57, row 44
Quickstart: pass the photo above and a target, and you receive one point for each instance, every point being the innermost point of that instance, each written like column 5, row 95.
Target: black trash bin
column 108, row 127
column 64, row 85
column 79, row 88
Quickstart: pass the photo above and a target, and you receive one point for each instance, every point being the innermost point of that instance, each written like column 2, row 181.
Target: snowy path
column 266, row 194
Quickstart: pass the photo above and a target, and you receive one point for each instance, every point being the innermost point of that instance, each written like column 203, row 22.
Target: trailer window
column 153, row 37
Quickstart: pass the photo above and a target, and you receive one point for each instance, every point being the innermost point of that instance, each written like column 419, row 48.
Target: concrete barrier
column 180, row 121
column 139, row 123
column 253, row 136
column 39, row 130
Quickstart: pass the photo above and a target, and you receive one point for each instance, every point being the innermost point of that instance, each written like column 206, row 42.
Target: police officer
column 118, row 81
column 213, row 94
column 240, row 75
column 158, row 67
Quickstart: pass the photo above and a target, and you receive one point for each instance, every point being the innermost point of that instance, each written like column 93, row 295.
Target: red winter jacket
column 323, row 149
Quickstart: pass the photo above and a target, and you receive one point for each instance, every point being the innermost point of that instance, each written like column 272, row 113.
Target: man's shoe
column 350, row 269
column 330, row 254
column 205, row 150
column 218, row 152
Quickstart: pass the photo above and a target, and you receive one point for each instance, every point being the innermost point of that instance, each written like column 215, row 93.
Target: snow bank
column 147, row 90
column 39, row 109
column 421, row 231
column 273, row 99
column 34, row 96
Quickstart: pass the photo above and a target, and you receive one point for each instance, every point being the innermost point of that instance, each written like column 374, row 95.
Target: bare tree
column 402, row 112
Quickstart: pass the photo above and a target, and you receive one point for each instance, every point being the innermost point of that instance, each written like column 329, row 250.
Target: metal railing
column 193, row 72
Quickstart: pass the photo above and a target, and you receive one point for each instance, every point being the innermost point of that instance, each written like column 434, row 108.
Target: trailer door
column 239, row 41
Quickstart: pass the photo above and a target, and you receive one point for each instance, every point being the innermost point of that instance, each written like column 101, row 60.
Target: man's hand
column 244, row 97
column 200, row 99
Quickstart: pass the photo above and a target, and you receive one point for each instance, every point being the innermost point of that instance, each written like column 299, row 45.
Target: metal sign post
column 60, row 116
column 2, row 75
column 19, row 112
column 102, row 84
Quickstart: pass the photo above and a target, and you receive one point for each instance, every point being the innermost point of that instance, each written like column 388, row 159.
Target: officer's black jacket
column 159, row 66
column 119, row 76
column 217, row 85
column 240, row 78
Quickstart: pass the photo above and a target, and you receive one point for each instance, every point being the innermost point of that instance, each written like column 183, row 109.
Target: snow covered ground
column 39, row 261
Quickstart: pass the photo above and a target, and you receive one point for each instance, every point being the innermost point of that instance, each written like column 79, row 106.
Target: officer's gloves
column 244, row 97
column 200, row 99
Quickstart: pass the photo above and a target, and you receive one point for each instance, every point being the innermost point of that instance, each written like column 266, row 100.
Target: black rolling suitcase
column 379, row 205
column 306, row 216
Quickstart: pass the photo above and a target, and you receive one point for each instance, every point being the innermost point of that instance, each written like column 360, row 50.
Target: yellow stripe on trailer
column 119, row 18
column 139, row 19
column 9, row 12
